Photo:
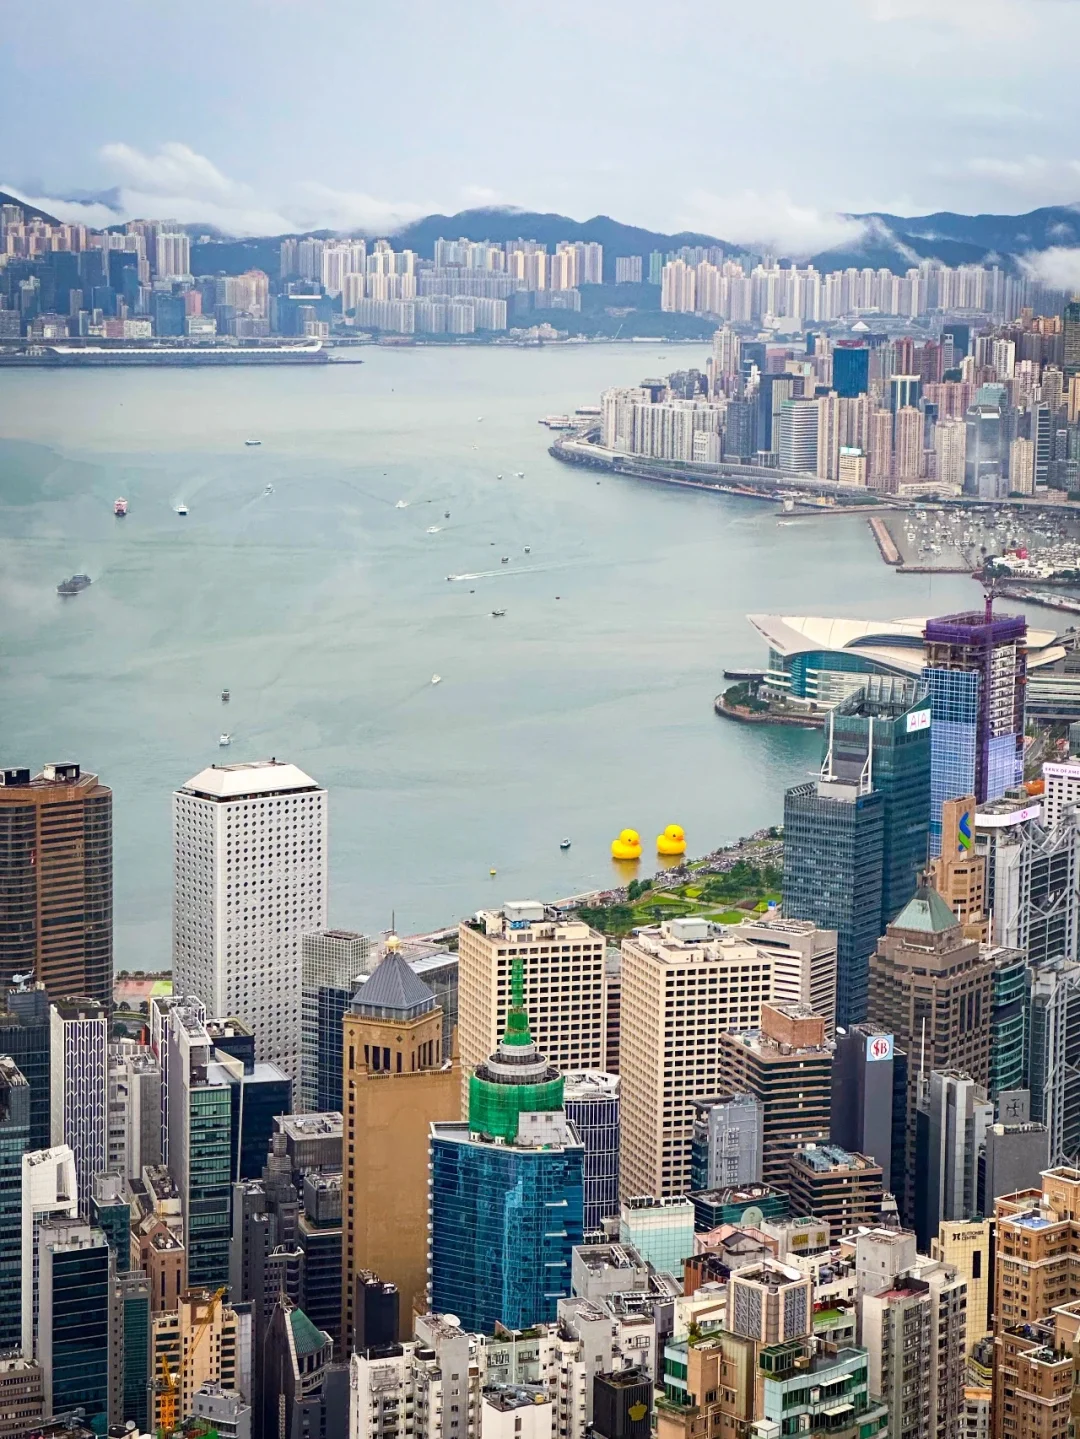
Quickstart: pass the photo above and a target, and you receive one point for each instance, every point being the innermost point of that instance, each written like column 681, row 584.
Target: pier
column 885, row 543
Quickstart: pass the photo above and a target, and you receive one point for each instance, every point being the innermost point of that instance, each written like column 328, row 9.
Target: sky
column 767, row 123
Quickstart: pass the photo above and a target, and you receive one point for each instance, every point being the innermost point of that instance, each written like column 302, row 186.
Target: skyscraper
column 984, row 453
column 683, row 984
column 564, row 984
column 397, row 1081
column 506, row 1195
column 976, row 670
column 330, row 961
column 786, row 1063
column 952, row 1118
column 725, row 1146
column 932, row 990
column 56, row 878
column 200, row 1143
column 1071, row 333
column 250, row 878
column 591, row 1099
column 850, row 369
column 80, row 1088
column 26, row 1035
column 869, row 1098
column 73, row 1318
column 14, row 1134
column 797, row 441
column 48, row 1192
column 834, row 849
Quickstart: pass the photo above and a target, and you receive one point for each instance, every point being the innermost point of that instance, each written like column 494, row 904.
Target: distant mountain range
column 890, row 241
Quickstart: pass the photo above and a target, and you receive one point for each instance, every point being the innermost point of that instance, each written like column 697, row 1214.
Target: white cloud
column 94, row 213
column 176, row 169
column 1037, row 179
column 1059, row 267
column 754, row 218
column 177, row 183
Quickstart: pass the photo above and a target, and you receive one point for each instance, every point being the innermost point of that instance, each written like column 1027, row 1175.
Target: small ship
column 74, row 585
column 120, row 508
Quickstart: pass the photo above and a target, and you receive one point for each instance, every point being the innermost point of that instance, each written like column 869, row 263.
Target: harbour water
column 325, row 608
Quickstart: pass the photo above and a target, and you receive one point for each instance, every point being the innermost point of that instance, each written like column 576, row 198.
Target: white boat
column 433, row 530
column 436, row 679
column 506, row 559
column 180, row 509
column 269, row 490
column 253, row 442
column 519, row 474
column 497, row 614
column 402, row 505
column 224, row 739
column 564, row 844
column 498, row 477
column 528, row 549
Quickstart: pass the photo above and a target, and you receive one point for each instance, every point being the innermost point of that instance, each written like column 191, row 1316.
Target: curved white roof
column 259, row 776
column 900, row 644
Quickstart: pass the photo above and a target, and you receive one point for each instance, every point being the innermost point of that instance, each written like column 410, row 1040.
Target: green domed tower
column 516, row 1079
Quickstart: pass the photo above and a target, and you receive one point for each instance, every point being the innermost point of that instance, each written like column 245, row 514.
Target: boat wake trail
column 502, row 574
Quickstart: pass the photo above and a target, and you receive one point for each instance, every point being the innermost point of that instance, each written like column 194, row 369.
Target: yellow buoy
column 492, row 873
column 627, row 846
column 672, row 841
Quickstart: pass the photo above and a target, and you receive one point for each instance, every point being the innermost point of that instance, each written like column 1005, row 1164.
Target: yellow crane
column 169, row 1383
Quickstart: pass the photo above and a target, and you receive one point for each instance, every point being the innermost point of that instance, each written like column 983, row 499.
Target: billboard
column 878, row 1047
column 918, row 719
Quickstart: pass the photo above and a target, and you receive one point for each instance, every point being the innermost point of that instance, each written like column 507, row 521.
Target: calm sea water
column 326, row 610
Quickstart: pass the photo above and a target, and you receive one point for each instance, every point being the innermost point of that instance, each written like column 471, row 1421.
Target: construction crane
column 169, row 1384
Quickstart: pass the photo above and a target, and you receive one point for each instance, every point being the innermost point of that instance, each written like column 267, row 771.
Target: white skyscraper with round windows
column 249, row 879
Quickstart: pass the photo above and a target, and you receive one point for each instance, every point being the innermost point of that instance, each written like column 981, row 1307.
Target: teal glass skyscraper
column 507, row 1190
column 856, row 839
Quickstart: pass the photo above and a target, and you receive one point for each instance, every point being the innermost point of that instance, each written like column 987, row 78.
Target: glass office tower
column 73, row 1319
column 507, row 1190
column 976, row 673
column 14, row 1139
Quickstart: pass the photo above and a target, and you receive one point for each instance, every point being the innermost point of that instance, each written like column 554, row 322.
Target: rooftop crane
column 169, row 1384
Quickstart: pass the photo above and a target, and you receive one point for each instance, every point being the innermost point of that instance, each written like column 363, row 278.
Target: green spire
column 517, row 1021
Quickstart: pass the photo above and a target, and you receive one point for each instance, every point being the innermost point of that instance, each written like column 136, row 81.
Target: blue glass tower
column 74, row 1313
column 507, row 1190
column 976, row 673
column 851, row 370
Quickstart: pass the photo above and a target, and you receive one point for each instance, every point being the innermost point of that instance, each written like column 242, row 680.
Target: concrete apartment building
column 564, row 968
column 787, row 1063
column 684, row 984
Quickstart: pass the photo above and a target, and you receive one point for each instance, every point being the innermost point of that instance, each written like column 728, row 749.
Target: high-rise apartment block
column 330, row 962
column 56, row 877
column 683, row 985
column 564, row 984
column 80, row 1088
column 932, row 990
column 506, row 1189
column 976, row 670
column 249, row 880
column 787, row 1063
column 398, row 1081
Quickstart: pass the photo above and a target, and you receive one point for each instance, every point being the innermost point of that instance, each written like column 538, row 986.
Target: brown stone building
column 930, row 988
column 787, row 1064
column 831, row 1183
column 396, row 1082
column 56, row 890
column 721, row 1370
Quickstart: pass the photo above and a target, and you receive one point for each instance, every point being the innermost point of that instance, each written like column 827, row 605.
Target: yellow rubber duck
column 627, row 846
column 672, row 841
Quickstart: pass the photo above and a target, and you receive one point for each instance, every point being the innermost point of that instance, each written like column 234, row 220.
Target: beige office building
column 965, row 1245
column 683, row 985
column 199, row 1340
column 803, row 962
column 564, row 986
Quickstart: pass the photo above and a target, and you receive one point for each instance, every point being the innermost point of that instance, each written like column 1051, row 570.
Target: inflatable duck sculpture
column 627, row 846
column 672, row 841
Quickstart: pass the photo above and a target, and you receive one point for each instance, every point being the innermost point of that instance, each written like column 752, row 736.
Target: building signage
column 878, row 1046
column 918, row 719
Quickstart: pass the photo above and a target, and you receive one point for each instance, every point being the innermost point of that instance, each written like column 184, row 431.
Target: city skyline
column 213, row 148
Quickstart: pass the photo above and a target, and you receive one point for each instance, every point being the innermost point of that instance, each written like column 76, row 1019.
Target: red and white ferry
column 119, row 508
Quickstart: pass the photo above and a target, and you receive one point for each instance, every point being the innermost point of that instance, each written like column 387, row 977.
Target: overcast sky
column 756, row 122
